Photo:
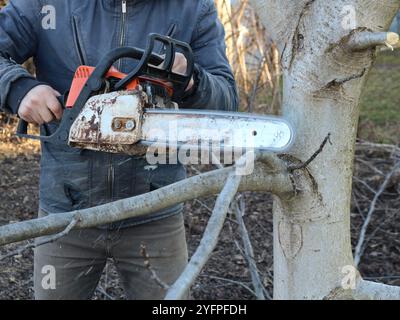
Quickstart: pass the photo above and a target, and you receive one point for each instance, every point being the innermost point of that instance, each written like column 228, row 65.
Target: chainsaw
column 109, row 111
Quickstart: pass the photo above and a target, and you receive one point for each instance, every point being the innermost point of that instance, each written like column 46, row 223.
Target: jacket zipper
column 111, row 170
column 171, row 31
column 123, row 28
column 78, row 44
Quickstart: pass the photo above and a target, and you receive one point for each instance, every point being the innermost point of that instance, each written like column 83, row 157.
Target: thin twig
column 52, row 239
column 360, row 245
column 312, row 158
column 210, row 210
column 154, row 276
column 249, row 252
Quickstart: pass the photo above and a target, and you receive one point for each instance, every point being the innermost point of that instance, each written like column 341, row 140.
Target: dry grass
column 11, row 146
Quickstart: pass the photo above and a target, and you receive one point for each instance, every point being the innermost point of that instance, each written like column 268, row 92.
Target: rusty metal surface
column 109, row 122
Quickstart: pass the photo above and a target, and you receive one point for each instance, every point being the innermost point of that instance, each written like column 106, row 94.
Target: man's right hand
column 40, row 105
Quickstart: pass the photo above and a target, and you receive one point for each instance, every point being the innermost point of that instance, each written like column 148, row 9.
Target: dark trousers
column 71, row 267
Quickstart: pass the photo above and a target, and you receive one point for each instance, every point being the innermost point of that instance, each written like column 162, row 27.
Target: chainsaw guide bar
column 118, row 122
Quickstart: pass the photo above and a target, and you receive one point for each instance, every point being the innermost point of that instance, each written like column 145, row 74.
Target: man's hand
column 40, row 105
column 180, row 66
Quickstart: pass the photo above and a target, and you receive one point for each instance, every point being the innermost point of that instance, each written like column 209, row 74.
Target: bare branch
column 360, row 248
column 209, row 183
column 249, row 253
column 209, row 239
column 52, row 239
column 366, row 145
column 272, row 160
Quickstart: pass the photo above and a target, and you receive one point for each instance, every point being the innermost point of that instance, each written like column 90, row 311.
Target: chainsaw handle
column 122, row 52
column 163, row 70
column 22, row 128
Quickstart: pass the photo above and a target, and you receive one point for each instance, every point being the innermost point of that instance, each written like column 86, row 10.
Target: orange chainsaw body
column 83, row 73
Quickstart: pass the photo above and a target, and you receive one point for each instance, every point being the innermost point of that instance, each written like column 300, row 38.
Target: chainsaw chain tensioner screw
column 117, row 124
column 130, row 125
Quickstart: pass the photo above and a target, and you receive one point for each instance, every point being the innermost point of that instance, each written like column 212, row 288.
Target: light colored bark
column 323, row 78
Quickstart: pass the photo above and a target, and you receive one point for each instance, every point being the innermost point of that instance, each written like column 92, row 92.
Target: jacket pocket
column 76, row 171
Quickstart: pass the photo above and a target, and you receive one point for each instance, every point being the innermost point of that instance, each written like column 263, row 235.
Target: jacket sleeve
column 215, row 86
column 19, row 21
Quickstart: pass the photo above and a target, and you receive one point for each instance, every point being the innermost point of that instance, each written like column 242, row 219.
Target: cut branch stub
column 367, row 40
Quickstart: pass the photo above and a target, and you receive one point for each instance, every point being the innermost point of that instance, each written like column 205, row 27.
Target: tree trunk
column 326, row 51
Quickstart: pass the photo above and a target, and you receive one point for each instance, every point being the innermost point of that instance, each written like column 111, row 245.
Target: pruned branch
column 366, row 40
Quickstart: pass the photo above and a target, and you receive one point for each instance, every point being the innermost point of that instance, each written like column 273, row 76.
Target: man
column 60, row 36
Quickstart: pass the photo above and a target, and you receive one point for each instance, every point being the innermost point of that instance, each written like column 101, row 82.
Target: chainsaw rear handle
column 22, row 128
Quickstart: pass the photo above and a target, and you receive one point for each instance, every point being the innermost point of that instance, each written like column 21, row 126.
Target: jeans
column 70, row 268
